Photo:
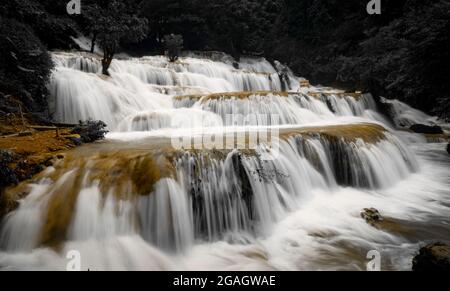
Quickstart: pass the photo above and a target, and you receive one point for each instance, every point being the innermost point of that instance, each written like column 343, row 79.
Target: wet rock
column 372, row 216
column 386, row 224
column 426, row 129
column 432, row 258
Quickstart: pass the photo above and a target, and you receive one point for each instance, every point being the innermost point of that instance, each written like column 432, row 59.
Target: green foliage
column 48, row 18
column 91, row 131
column 88, row 21
column 186, row 18
column 25, row 64
column 232, row 26
column 117, row 25
column 402, row 53
column 242, row 26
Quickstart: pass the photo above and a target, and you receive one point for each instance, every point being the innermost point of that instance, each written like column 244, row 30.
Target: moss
column 145, row 174
column 31, row 155
column 369, row 133
column 60, row 211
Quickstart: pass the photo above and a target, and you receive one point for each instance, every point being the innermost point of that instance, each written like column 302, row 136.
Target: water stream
column 134, row 202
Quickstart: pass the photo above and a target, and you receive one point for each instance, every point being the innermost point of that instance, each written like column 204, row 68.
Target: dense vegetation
column 24, row 66
column 403, row 53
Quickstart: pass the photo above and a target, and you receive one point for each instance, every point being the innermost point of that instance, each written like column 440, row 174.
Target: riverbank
column 28, row 148
column 27, row 153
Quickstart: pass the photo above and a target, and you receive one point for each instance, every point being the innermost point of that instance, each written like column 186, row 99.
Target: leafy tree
column 186, row 18
column 242, row 26
column 118, row 25
column 174, row 45
column 54, row 28
column 89, row 21
column 402, row 53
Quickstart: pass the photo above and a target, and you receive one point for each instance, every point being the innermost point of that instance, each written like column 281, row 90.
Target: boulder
column 432, row 258
column 426, row 129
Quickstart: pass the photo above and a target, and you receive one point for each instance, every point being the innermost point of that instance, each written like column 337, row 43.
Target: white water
column 140, row 88
column 405, row 116
column 299, row 211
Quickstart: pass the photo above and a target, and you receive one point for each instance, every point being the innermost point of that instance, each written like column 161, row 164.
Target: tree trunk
column 108, row 56
column 106, row 63
column 236, row 54
column 94, row 38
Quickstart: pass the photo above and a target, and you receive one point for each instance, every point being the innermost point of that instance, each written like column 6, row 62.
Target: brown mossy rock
column 432, row 258
column 372, row 216
column 22, row 158
column 367, row 132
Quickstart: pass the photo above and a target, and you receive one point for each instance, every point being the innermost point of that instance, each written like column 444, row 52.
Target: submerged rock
column 426, row 129
column 433, row 257
column 372, row 216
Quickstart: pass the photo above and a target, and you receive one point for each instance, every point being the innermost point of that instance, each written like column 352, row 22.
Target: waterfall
column 406, row 116
column 137, row 202
column 138, row 89
column 292, row 108
column 205, row 195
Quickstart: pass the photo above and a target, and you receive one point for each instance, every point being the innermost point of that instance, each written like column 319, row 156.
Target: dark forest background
column 403, row 53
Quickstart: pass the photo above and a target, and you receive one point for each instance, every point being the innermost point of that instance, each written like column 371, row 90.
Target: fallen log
column 43, row 128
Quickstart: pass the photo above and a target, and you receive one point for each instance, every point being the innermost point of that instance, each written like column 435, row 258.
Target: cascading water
column 134, row 97
column 134, row 202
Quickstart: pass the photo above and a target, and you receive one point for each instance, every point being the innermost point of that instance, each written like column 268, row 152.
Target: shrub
column 174, row 45
column 91, row 131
